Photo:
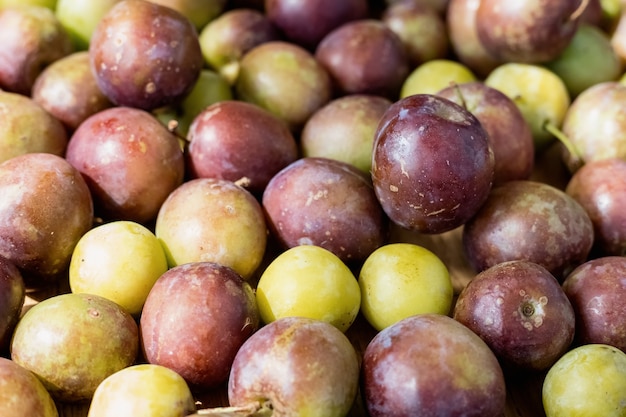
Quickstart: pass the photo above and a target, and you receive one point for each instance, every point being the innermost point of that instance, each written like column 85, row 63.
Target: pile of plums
column 190, row 189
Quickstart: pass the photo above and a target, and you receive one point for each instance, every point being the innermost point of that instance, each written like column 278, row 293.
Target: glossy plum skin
column 130, row 161
column 600, row 187
column 195, row 319
column 509, row 134
column 302, row 366
column 324, row 202
column 306, row 22
column 145, row 55
column 232, row 140
column 520, row 310
column 431, row 365
column 46, row 208
column 596, row 290
column 364, row 57
column 432, row 165
column 533, row 221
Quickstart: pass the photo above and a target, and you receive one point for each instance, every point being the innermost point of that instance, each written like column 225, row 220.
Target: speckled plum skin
column 325, row 202
column 303, row 367
column 431, row 365
column 531, row 31
column 195, row 319
column 509, row 134
column 233, row 139
column 520, row 310
column 597, row 290
column 145, row 55
column 432, row 165
column 130, row 161
column 600, row 187
column 533, row 221
column 46, row 208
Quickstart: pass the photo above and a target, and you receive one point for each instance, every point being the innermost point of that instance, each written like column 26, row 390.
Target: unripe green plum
column 80, row 18
column 402, row 279
column 588, row 381
column 435, row 75
column 540, row 94
column 142, row 390
column 120, row 261
column 309, row 281
column 72, row 342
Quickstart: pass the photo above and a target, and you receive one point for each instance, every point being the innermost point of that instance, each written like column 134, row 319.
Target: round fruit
column 120, row 260
column 400, row 280
column 46, row 338
column 143, row 390
column 309, row 281
column 22, row 394
column 432, row 165
column 589, row 381
column 435, row 75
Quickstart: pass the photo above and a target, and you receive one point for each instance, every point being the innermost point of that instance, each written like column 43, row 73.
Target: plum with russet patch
column 520, row 310
column 529, row 220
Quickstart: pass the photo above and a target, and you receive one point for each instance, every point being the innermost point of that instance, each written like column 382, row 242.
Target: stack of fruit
column 312, row 208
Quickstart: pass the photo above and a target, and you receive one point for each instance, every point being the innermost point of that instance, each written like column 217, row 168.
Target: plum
column 600, row 187
column 131, row 162
column 431, row 365
column 344, row 129
column 306, row 22
column 12, row 297
column 32, row 38
column 195, row 319
column 300, row 366
column 225, row 39
column 214, row 220
column 596, row 290
column 45, row 210
column 22, row 394
column 106, row 334
column 533, row 221
column 145, row 55
column 432, row 164
column 285, row 79
column 324, row 202
column 27, row 127
column 364, row 56
column 233, row 140
column 520, row 310
column 68, row 90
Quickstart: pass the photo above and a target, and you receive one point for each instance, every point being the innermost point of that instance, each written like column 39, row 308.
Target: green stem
column 562, row 137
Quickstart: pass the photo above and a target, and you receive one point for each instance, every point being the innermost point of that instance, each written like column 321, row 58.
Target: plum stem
column 172, row 126
column 460, row 96
column 579, row 11
column 255, row 409
column 562, row 137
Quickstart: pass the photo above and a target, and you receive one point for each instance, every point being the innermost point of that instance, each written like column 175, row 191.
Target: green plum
column 72, row 342
column 589, row 59
column 80, row 18
column 435, row 75
column 120, row 260
column 143, row 390
column 539, row 93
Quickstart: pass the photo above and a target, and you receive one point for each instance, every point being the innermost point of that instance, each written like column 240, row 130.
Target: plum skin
column 432, row 164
